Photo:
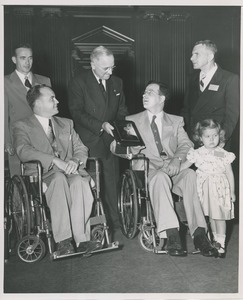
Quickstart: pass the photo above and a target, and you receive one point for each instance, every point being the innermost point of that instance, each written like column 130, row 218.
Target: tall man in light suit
column 168, row 171
column 96, row 99
column 212, row 92
column 16, row 107
column 54, row 142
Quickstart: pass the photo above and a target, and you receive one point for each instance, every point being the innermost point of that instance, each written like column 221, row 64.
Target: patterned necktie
column 52, row 138
column 102, row 86
column 27, row 83
column 155, row 131
column 202, row 83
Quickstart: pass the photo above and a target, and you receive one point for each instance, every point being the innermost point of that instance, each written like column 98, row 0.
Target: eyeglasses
column 107, row 69
column 149, row 92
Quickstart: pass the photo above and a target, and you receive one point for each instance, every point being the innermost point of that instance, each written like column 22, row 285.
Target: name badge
column 213, row 87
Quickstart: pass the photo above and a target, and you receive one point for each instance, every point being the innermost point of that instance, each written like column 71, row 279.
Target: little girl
column 215, row 179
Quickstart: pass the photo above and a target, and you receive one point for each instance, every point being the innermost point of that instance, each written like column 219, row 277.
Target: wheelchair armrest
column 38, row 167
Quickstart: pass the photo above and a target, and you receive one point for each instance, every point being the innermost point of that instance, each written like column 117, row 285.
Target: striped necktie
column 52, row 139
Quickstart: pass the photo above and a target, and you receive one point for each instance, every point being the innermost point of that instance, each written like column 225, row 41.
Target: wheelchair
column 135, row 208
column 28, row 216
column 136, row 212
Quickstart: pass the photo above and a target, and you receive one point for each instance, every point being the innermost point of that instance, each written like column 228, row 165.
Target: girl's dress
column 212, row 183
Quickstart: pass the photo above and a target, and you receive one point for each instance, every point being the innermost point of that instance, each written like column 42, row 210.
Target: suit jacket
column 90, row 109
column 31, row 142
column 175, row 140
column 220, row 101
column 16, row 106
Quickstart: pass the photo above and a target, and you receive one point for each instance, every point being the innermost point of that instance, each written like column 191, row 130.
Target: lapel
column 167, row 129
column 38, row 135
column 62, row 135
column 147, row 134
column 18, row 83
column 205, row 98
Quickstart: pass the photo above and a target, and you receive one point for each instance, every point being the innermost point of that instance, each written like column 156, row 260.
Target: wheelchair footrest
column 161, row 251
column 111, row 246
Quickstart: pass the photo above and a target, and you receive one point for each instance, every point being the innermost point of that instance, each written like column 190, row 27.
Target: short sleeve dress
column 212, row 183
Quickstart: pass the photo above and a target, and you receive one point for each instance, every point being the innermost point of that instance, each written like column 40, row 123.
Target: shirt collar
column 44, row 122
column 97, row 78
column 22, row 76
column 210, row 73
column 158, row 116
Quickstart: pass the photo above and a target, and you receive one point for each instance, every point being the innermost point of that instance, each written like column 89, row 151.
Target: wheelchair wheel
column 128, row 205
column 31, row 249
column 8, row 224
column 20, row 206
column 145, row 238
column 98, row 234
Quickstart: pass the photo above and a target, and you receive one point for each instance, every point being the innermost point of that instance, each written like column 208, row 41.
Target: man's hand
column 9, row 148
column 108, row 128
column 173, row 167
column 69, row 167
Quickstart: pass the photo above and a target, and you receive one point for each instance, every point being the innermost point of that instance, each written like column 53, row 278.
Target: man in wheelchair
column 54, row 142
column 166, row 147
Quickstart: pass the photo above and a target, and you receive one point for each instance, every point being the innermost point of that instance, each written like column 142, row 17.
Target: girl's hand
column 233, row 197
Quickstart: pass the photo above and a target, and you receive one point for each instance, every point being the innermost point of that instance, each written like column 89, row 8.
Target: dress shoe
column 89, row 246
column 174, row 247
column 202, row 243
column 65, row 247
column 221, row 250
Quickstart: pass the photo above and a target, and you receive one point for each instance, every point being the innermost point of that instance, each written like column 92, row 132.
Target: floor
column 125, row 271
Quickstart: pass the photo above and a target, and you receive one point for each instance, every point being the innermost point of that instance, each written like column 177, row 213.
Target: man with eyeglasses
column 166, row 147
column 96, row 99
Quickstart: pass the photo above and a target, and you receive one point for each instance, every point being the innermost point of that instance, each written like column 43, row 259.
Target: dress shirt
column 44, row 123
column 208, row 76
column 22, row 77
column 103, row 81
column 158, row 121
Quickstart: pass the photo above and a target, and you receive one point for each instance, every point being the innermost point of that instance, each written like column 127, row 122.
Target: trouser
column 110, row 176
column 184, row 185
column 70, row 200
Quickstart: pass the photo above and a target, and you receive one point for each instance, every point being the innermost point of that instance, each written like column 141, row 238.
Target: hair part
column 22, row 45
column 201, row 126
column 100, row 51
column 34, row 93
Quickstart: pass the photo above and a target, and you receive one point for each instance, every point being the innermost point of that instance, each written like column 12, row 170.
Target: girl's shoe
column 221, row 252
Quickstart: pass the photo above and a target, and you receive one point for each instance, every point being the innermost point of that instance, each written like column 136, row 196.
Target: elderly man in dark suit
column 212, row 92
column 96, row 99
column 16, row 107
column 54, row 142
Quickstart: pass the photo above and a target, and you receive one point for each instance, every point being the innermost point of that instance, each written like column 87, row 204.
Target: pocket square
column 213, row 87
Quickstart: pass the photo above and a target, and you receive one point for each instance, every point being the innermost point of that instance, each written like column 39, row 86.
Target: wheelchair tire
column 8, row 223
column 20, row 206
column 31, row 249
column 98, row 234
column 128, row 205
column 146, row 240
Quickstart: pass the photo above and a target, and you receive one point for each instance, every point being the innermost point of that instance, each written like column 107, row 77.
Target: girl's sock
column 221, row 240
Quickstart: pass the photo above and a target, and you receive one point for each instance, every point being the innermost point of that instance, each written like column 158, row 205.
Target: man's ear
column 162, row 98
column 210, row 56
column 14, row 59
column 92, row 65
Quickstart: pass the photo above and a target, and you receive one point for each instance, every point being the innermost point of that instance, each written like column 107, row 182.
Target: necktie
column 102, row 86
column 27, row 83
column 52, row 139
column 155, row 131
column 202, row 83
